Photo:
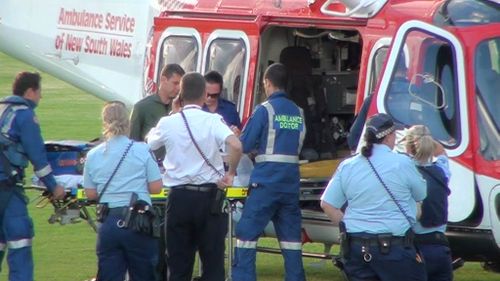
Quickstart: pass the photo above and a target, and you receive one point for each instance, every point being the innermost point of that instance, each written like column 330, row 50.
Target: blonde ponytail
column 115, row 120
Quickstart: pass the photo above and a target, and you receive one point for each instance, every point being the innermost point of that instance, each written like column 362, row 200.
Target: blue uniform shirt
column 370, row 208
column 25, row 129
column 289, row 127
column 136, row 171
column 228, row 111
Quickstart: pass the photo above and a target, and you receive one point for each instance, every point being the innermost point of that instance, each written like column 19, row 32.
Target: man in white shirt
column 196, row 177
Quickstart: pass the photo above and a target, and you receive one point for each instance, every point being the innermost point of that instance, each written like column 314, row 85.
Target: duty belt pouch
column 157, row 222
column 144, row 219
column 101, row 211
column 217, row 205
column 384, row 243
column 409, row 239
column 344, row 241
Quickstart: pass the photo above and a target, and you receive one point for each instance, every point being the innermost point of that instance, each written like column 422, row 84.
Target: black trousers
column 189, row 228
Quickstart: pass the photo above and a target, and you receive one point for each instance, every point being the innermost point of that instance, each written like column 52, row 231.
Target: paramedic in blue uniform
column 21, row 141
column 380, row 246
column 217, row 104
column 275, row 132
column 431, row 226
column 192, row 221
column 120, row 250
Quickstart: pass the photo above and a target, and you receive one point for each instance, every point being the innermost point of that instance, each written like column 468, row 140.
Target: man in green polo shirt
column 150, row 109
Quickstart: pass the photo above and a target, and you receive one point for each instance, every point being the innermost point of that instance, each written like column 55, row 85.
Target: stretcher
column 76, row 206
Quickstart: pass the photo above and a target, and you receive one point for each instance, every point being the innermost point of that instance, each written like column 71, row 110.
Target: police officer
column 116, row 171
column 196, row 177
column 431, row 226
column 21, row 141
column 275, row 132
column 379, row 216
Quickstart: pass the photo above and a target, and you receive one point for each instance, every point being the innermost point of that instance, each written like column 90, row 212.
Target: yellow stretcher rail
column 233, row 192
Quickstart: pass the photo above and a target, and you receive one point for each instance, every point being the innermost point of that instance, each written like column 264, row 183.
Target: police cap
column 380, row 125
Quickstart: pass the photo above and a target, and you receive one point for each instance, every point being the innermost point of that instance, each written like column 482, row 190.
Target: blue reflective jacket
column 275, row 132
column 18, row 123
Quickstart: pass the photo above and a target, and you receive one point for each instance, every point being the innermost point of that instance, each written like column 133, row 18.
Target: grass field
column 67, row 253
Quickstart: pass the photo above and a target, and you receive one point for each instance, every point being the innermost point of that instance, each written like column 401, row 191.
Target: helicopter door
column 430, row 90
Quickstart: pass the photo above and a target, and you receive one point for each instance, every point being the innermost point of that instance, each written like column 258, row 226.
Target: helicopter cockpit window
column 487, row 74
column 228, row 56
column 182, row 50
column 467, row 13
column 423, row 87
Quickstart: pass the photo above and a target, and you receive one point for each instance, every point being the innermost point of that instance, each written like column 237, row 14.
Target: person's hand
column 236, row 130
column 226, row 181
column 58, row 192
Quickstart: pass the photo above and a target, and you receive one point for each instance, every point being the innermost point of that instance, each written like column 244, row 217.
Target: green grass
column 67, row 252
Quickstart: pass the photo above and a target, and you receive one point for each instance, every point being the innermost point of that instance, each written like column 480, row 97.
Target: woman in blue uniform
column 381, row 188
column 120, row 249
column 430, row 228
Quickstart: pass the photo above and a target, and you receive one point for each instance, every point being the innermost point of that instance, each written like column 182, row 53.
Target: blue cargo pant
column 120, row 250
column 401, row 263
column 16, row 236
column 262, row 206
column 437, row 262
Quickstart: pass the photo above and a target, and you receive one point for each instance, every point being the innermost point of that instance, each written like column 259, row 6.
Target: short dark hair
column 171, row 69
column 276, row 74
column 192, row 86
column 215, row 78
column 24, row 81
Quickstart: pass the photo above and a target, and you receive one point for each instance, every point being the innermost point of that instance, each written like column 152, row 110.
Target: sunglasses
column 213, row 96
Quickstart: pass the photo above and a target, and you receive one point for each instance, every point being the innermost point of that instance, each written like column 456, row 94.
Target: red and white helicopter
column 338, row 52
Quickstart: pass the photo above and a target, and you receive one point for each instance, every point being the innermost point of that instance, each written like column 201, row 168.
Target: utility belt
column 217, row 195
column 383, row 241
column 117, row 212
column 378, row 239
column 139, row 217
column 205, row 187
column 435, row 238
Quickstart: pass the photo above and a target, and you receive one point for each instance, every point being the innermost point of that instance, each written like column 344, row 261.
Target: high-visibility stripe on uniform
column 43, row 171
column 277, row 158
column 19, row 243
column 10, row 115
column 268, row 156
column 290, row 245
column 271, row 132
column 303, row 132
column 246, row 244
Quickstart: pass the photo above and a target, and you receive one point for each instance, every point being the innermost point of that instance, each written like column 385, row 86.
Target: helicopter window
column 378, row 63
column 182, row 50
column 487, row 73
column 425, row 91
column 228, row 56
column 467, row 13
